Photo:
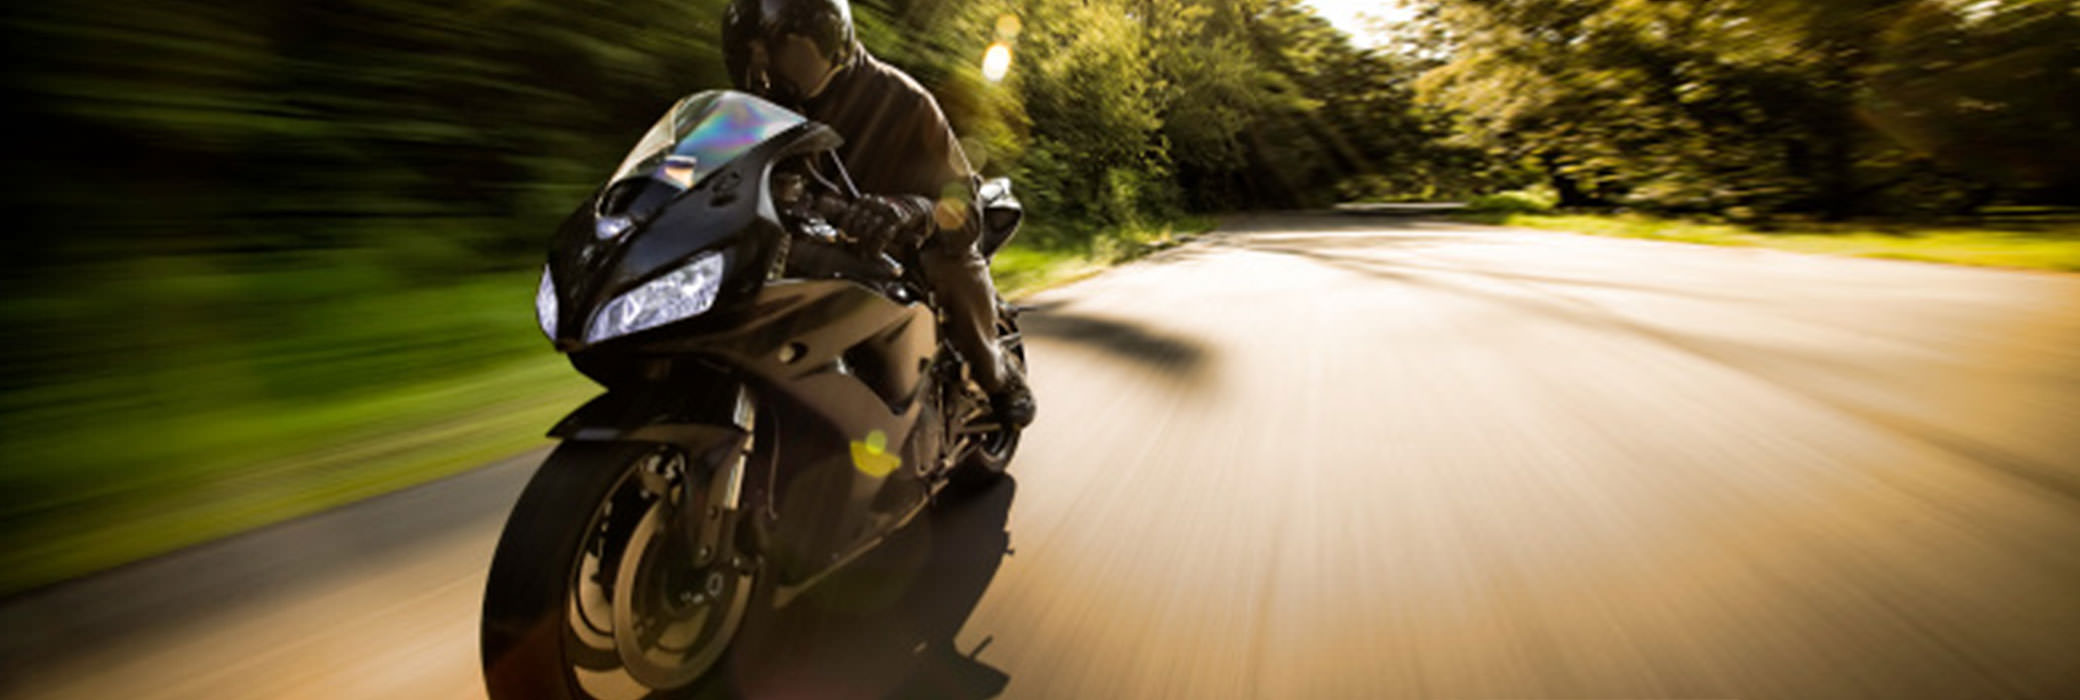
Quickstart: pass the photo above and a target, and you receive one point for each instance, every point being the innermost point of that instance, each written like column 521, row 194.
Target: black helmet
column 827, row 23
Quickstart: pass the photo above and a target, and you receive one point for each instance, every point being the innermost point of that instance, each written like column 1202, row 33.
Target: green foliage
column 1513, row 202
column 444, row 139
column 1030, row 264
column 167, row 433
column 1907, row 107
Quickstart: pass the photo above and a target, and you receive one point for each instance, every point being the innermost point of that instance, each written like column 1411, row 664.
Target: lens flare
column 996, row 62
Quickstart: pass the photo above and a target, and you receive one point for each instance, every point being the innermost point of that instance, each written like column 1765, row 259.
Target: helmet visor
column 787, row 69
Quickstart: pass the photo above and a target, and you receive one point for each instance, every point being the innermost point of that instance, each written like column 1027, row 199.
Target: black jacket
column 897, row 141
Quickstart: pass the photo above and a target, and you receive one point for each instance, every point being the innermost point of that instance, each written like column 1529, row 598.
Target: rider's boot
column 968, row 296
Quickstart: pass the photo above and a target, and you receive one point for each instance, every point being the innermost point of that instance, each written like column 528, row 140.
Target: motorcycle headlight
column 545, row 304
column 684, row 293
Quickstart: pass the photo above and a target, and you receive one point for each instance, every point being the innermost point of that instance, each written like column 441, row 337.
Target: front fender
column 701, row 421
column 712, row 423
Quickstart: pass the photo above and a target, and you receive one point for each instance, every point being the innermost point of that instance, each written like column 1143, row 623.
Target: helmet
column 826, row 24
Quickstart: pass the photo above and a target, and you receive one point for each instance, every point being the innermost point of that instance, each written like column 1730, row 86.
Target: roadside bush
column 1513, row 202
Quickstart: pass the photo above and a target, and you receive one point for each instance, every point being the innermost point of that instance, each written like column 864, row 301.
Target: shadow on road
column 1178, row 357
column 885, row 627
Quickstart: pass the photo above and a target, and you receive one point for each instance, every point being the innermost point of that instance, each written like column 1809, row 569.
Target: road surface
column 1337, row 456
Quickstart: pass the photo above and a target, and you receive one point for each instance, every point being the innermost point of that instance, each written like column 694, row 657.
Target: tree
column 1864, row 106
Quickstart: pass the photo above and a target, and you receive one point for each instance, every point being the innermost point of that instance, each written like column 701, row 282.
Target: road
column 1337, row 456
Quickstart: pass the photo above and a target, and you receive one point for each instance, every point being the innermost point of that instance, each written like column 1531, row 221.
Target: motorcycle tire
column 562, row 594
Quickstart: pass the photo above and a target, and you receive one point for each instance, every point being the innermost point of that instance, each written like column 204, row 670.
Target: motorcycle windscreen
column 697, row 137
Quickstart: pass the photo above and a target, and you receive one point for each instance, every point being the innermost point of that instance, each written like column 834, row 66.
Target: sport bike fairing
column 698, row 184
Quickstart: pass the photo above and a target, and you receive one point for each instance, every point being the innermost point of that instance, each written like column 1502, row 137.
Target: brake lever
column 826, row 206
column 823, row 231
column 816, row 228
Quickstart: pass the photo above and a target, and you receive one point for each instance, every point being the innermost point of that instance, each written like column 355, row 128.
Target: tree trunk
column 1570, row 191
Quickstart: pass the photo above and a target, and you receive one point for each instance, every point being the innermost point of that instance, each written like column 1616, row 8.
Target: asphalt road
column 1336, row 456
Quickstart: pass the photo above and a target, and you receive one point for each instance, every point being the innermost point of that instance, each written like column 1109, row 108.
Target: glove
column 883, row 222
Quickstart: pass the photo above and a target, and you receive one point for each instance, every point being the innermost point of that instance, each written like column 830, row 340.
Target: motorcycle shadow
column 885, row 627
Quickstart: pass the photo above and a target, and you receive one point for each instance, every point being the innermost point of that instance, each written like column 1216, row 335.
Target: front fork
column 712, row 522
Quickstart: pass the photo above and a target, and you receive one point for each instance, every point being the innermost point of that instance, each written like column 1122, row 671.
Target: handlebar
column 827, row 207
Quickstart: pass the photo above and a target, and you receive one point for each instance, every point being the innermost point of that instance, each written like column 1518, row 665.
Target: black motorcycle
column 776, row 405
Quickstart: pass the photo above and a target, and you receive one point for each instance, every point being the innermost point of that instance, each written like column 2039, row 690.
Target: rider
column 918, row 189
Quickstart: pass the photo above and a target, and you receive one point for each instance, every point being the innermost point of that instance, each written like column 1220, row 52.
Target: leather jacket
column 897, row 141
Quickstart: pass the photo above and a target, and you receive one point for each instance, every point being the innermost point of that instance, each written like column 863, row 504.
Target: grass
column 163, row 403
column 247, row 466
column 1036, row 262
column 2037, row 243
column 169, row 402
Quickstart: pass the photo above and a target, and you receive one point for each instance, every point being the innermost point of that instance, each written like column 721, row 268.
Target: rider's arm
column 952, row 181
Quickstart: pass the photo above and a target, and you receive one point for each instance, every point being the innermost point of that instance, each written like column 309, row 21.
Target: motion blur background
column 272, row 257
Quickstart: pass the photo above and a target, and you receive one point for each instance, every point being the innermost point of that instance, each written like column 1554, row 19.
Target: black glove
column 887, row 222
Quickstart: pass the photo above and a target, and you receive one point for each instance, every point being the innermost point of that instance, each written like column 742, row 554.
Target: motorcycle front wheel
column 596, row 589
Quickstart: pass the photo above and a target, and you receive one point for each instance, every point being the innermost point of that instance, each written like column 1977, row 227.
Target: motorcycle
column 776, row 405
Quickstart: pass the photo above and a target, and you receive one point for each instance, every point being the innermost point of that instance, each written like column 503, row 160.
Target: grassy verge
column 244, row 467
column 161, row 403
column 1034, row 263
column 2037, row 245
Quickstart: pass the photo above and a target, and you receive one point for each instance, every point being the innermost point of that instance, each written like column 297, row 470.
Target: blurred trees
column 420, row 140
column 1123, row 109
column 337, row 124
column 1908, row 107
column 212, row 198
column 440, row 138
